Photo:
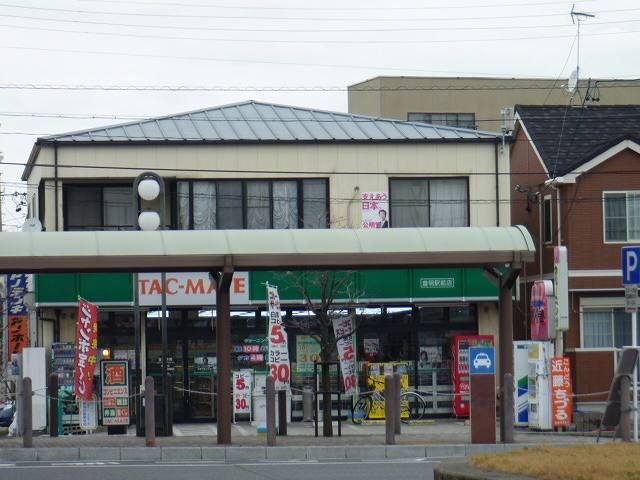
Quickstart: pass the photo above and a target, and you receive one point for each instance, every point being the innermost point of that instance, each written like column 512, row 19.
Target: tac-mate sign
column 86, row 349
column 115, row 392
column 17, row 312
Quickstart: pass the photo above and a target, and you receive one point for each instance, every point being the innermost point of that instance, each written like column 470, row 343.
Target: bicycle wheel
column 412, row 406
column 360, row 410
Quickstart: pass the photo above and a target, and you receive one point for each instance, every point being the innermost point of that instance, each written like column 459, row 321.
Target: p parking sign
column 631, row 265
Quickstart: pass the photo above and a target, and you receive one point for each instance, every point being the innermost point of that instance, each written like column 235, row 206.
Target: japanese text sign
column 16, row 291
column 242, row 391
column 278, row 359
column 343, row 330
column 18, row 333
column 115, row 392
column 561, row 391
column 86, row 349
column 375, row 210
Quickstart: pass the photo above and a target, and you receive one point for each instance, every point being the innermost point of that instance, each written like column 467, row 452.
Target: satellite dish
column 572, row 84
column 32, row 225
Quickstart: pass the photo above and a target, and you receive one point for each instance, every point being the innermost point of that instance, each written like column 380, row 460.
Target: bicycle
column 412, row 405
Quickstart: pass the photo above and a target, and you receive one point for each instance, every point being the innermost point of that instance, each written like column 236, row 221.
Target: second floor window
column 429, row 202
column 460, row 120
column 621, row 216
column 251, row 204
column 98, row 207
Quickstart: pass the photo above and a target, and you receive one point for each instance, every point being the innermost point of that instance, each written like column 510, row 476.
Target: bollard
column 507, row 400
column 27, row 413
column 389, row 410
column 53, row 405
column 271, row 411
column 397, row 390
column 625, row 408
column 149, row 412
column 282, row 412
column 307, row 404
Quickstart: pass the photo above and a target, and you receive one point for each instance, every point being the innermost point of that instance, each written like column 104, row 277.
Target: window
column 98, row 207
column 621, row 216
column 461, row 120
column 606, row 328
column 429, row 202
column 252, row 204
column 547, row 215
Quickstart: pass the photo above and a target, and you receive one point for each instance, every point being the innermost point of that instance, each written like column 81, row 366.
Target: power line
column 281, row 18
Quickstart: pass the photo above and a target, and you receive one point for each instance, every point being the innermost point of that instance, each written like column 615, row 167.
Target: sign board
column 307, row 352
column 482, row 361
column 542, row 310
column 344, row 332
column 17, row 312
column 189, row 288
column 375, row 210
column 88, row 414
column 242, row 382
column 561, row 391
column 115, row 392
column 561, row 287
column 631, row 265
column 630, row 298
column 278, row 359
column 86, row 349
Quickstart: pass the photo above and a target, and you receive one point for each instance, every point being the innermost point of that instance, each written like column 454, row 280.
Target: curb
column 254, row 453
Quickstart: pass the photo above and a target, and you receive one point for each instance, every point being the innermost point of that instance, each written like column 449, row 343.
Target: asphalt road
column 385, row 469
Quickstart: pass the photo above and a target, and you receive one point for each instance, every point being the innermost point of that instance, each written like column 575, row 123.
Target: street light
column 148, row 187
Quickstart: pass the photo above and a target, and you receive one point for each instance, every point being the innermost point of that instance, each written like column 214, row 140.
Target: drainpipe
column 498, row 181
column 55, row 184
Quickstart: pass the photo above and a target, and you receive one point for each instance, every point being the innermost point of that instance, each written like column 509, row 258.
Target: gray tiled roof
column 567, row 137
column 264, row 122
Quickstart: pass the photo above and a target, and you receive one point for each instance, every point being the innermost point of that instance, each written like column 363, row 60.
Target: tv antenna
column 577, row 18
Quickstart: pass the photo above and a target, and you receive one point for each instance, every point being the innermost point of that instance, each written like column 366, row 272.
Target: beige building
column 476, row 102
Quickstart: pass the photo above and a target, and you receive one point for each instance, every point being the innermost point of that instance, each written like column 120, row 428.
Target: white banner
column 242, row 380
column 343, row 327
column 375, row 210
column 278, row 350
column 189, row 288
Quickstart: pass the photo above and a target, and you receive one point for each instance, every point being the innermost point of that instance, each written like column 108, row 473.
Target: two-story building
column 257, row 165
column 576, row 182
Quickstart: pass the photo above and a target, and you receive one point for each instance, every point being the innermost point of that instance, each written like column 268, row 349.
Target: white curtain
column 183, row 205
column 410, row 203
column 615, row 217
column 633, row 216
column 315, row 203
column 448, row 203
column 258, row 212
column 597, row 331
column 204, row 206
column 285, row 204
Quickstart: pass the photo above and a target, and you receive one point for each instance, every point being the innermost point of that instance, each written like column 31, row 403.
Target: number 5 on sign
column 242, row 381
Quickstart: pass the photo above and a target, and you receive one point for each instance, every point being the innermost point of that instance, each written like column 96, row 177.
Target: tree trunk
column 325, row 356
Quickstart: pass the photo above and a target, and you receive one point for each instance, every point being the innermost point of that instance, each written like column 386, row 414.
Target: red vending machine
column 460, row 369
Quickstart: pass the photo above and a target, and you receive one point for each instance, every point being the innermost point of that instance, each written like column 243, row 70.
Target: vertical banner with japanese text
column 115, row 392
column 86, row 349
column 278, row 360
column 561, row 392
column 18, row 313
column 344, row 332
column 242, row 380
column 375, row 210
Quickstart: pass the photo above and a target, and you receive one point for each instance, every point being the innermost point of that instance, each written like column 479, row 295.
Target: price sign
column 278, row 359
column 343, row 330
column 242, row 380
column 115, row 392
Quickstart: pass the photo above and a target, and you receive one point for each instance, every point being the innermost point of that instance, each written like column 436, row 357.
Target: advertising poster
column 307, row 352
column 17, row 312
column 242, row 380
column 542, row 310
column 86, row 349
column 375, row 210
column 115, row 392
column 278, row 359
column 371, row 347
column 561, row 391
column 343, row 330
column 375, row 381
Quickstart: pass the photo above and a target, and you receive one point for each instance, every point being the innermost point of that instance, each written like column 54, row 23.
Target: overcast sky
column 245, row 44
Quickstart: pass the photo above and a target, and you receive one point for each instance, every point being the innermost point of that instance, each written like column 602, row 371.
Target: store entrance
column 191, row 362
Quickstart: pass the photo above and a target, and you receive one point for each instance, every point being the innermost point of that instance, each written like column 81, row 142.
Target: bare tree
column 327, row 294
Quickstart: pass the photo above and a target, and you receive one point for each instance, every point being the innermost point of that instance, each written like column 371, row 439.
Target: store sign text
column 191, row 288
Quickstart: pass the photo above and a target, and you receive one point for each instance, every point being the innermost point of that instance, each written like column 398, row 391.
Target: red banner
column 18, row 333
column 561, row 392
column 86, row 348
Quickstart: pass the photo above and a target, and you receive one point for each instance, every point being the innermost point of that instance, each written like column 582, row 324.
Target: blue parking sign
column 482, row 361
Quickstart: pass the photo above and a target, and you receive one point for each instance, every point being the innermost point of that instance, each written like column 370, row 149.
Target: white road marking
column 177, row 432
column 242, row 430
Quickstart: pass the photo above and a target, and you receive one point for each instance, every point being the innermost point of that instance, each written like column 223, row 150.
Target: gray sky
column 273, row 43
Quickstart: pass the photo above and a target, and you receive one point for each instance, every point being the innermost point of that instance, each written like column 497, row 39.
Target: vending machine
column 540, row 354
column 521, row 382
column 460, row 369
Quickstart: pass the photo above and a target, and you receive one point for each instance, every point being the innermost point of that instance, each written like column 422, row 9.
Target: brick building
column 576, row 182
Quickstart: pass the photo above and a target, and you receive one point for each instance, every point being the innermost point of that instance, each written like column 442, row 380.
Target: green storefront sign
column 367, row 286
